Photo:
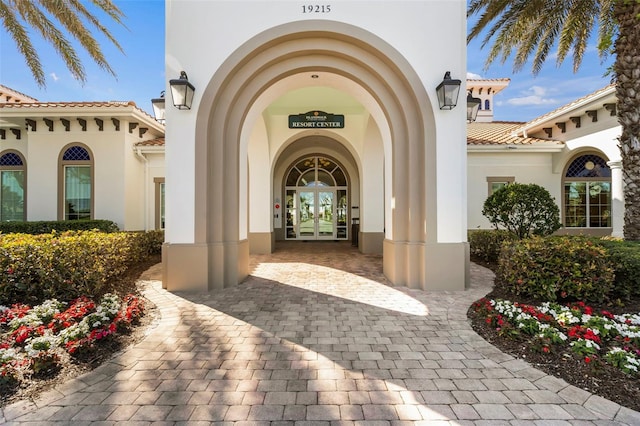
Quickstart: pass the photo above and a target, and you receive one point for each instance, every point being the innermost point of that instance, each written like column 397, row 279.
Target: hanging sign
column 316, row 120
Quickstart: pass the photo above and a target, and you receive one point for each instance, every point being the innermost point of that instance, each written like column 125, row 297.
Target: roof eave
column 535, row 147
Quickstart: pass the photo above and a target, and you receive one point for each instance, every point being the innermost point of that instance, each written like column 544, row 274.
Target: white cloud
column 535, row 95
column 54, row 76
column 473, row 76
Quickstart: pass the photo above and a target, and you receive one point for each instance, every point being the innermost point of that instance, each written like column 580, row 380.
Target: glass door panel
column 291, row 224
column 307, row 214
column 341, row 214
column 326, row 214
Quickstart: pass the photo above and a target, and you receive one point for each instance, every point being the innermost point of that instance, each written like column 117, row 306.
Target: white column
column 617, row 199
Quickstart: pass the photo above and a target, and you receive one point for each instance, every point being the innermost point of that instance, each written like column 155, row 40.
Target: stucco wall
column 420, row 41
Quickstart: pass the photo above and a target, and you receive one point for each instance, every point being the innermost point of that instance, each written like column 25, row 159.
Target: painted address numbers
column 316, row 8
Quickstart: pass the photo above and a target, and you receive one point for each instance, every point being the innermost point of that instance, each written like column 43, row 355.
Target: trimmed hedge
column 485, row 244
column 64, row 266
column 625, row 259
column 556, row 269
column 46, row 227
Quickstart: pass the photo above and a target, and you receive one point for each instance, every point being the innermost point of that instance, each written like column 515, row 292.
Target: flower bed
column 34, row 339
column 594, row 337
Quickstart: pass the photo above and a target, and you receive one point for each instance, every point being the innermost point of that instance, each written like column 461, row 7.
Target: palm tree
column 71, row 15
column 531, row 28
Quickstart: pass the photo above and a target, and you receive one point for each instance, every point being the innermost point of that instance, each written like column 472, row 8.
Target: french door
column 316, row 214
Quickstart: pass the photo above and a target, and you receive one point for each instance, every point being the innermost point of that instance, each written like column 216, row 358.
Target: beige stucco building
column 233, row 158
column 308, row 123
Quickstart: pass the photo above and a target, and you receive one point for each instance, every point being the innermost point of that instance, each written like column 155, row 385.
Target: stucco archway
column 410, row 149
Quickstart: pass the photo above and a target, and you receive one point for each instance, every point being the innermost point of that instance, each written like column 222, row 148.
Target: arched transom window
column 587, row 192
column 12, row 181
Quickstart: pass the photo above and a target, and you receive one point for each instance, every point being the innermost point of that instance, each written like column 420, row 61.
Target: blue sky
column 140, row 70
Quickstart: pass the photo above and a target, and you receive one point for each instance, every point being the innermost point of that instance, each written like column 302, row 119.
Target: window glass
column 77, row 192
column 161, row 205
column 324, row 179
column 587, row 193
column 12, row 195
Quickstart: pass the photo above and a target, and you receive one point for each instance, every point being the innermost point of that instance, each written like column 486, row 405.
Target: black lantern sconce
column 448, row 92
column 158, row 105
column 182, row 91
column 473, row 105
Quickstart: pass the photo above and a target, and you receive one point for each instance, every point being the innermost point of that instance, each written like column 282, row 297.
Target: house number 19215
column 316, row 8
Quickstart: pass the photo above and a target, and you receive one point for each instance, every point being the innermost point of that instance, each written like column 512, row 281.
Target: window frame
column 498, row 179
column 160, row 202
column 23, row 169
column 62, row 165
column 588, row 181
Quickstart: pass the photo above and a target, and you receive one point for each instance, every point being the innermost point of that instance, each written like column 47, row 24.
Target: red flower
column 587, row 359
column 545, row 349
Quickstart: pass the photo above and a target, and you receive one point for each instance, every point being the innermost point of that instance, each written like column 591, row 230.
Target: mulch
column 596, row 377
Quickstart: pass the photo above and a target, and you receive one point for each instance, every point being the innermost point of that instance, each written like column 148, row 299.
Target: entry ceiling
column 322, row 98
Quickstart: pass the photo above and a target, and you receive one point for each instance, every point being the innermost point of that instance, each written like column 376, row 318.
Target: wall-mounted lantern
column 448, row 91
column 182, row 91
column 473, row 105
column 158, row 105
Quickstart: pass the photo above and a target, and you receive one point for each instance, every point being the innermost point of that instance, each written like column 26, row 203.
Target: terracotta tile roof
column 152, row 142
column 499, row 133
column 489, row 79
column 94, row 104
column 565, row 108
column 5, row 89
column 68, row 104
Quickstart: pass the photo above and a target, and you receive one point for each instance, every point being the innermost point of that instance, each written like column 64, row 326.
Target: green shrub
column 46, row 227
column 523, row 209
column 625, row 259
column 66, row 265
column 151, row 242
column 555, row 269
column 485, row 245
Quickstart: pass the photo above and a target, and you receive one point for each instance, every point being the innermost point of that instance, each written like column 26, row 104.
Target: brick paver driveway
column 316, row 336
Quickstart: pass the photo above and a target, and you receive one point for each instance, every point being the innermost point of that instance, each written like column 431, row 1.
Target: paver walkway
column 315, row 336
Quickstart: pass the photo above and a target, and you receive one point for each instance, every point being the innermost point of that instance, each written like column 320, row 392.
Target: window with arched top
column 317, row 203
column 487, row 104
column 587, row 192
column 13, row 189
column 76, row 183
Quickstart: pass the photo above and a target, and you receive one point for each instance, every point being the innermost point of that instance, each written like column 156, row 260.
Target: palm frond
column 524, row 30
column 40, row 22
column 20, row 36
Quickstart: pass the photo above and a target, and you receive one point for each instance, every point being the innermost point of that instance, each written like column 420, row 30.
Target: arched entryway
column 422, row 232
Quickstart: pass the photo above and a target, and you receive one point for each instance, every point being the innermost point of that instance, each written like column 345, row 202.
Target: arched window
column 587, row 192
column 317, row 200
column 487, row 104
column 76, row 183
column 12, row 180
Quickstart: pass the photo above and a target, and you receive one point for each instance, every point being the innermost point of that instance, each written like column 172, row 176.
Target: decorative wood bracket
column 562, row 126
column 100, row 124
column 142, row 131
column 548, row 131
column 593, row 113
column 16, row 132
column 83, row 124
column 576, row 121
column 116, row 124
column 132, row 126
column 31, row 123
column 611, row 108
column 49, row 123
column 3, row 134
column 66, row 123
